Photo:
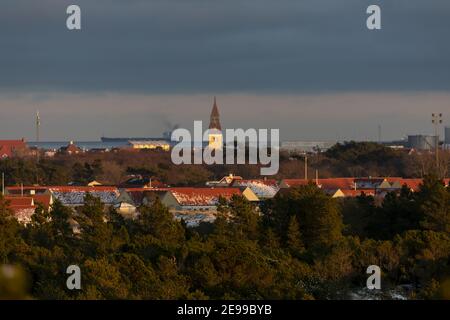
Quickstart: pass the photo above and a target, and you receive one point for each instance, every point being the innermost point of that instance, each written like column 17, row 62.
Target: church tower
column 215, row 138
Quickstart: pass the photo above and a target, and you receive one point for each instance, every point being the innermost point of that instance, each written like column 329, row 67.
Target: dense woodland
column 302, row 245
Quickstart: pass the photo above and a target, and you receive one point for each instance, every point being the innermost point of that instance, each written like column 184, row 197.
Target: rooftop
column 202, row 196
column 8, row 148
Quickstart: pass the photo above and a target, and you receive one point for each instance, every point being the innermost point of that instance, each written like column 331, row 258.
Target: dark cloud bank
column 201, row 46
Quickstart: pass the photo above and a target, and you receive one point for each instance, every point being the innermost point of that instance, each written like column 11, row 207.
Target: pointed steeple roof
column 214, row 122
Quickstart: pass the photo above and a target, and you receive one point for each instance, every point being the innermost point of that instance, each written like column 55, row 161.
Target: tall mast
column 38, row 126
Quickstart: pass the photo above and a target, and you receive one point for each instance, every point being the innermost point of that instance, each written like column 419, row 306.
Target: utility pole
column 3, row 183
column 306, row 166
column 436, row 120
column 379, row 133
column 38, row 134
column 38, row 126
column 38, row 138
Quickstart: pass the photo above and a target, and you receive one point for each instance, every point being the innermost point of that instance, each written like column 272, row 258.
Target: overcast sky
column 308, row 67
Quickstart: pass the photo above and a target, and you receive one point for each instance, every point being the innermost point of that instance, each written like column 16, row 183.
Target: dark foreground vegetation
column 302, row 245
column 305, row 245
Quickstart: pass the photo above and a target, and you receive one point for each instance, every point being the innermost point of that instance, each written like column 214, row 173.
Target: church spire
column 214, row 122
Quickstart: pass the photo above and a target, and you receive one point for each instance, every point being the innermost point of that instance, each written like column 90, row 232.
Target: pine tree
column 97, row 233
column 294, row 241
column 434, row 201
column 318, row 215
column 9, row 229
column 159, row 222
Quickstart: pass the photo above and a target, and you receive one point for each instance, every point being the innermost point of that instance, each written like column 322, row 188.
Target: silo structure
column 422, row 142
column 447, row 137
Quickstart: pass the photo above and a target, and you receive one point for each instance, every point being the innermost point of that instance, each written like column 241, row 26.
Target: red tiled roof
column 9, row 147
column 157, row 184
column 22, row 207
column 15, row 189
column 71, row 148
column 145, row 189
column 43, row 199
column 82, row 188
column 19, row 201
column 202, row 196
column 295, row 182
column 63, row 188
column 348, row 183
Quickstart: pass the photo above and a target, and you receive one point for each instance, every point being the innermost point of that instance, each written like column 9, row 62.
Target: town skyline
column 327, row 117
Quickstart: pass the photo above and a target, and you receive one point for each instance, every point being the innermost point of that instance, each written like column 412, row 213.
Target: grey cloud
column 201, row 46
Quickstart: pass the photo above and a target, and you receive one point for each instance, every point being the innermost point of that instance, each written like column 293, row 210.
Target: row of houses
column 183, row 202
column 335, row 187
column 20, row 148
column 192, row 204
column 351, row 187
